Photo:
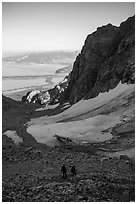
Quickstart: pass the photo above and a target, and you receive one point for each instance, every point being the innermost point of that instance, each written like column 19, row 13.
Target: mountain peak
column 106, row 58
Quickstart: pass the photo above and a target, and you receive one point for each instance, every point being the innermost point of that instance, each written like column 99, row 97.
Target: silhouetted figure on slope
column 64, row 171
column 73, row 170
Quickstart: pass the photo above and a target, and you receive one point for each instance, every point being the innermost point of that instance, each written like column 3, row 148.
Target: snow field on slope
column 43, row 129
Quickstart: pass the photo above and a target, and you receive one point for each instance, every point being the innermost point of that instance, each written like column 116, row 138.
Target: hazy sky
column 52, row 26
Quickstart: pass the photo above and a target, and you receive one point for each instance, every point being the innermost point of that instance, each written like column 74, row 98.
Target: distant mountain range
column 51, row 57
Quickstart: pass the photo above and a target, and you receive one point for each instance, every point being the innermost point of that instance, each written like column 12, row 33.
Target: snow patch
column 13, row 135
column 88, row 130
column 84, row 106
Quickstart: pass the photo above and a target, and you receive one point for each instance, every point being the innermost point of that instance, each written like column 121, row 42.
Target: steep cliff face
column 106, row 58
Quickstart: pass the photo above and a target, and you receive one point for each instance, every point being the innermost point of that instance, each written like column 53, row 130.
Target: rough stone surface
column 106, row 58
column 52, row 96
column 40, row 179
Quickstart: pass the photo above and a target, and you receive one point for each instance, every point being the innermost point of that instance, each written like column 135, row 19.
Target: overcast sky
column 57, row 26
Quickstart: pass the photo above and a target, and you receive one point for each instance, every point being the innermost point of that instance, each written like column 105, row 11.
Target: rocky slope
column 51, row 96
column 106, row 58
column 31, row 170
column 37, row 178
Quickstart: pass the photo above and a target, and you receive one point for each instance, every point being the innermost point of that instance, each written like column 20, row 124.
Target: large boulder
column 31, row 96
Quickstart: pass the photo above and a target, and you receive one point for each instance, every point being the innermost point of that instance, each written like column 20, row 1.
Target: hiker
column 73, row 170
column 64, row 171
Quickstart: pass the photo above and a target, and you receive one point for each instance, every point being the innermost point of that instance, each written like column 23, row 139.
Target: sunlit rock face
column 51, row 96
column 106, row 58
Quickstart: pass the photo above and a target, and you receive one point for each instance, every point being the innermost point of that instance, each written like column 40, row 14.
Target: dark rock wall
column 106, row 58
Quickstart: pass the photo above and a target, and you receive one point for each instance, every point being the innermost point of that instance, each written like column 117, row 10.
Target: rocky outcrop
column 52, row 96
column 106, row 58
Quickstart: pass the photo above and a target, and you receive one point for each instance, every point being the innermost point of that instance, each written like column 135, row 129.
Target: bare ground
column 31, row 171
